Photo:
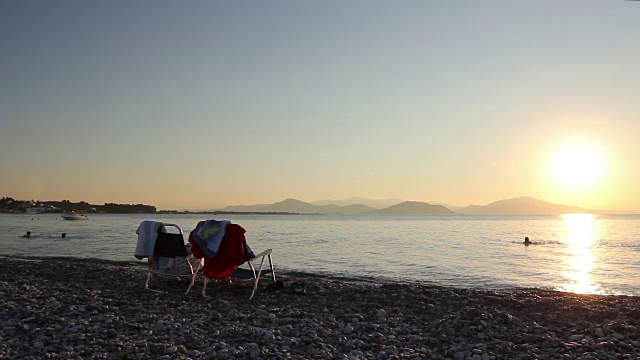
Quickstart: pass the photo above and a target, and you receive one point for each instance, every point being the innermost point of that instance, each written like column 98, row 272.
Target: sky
column 204, row 104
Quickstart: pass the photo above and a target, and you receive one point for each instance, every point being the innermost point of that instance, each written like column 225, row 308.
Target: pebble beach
column 53, row 308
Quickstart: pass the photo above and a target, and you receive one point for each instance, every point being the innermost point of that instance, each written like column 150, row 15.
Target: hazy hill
column 356, row 209
column 375, row 204
column 378, row 204
column 295, row 206
column 453, row 208
column 518, row 206
column 404, row 208
column 414, row 208
column 522, row 205
column 301, row 207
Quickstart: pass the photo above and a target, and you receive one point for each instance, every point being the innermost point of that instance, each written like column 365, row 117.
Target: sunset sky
column 204, row 104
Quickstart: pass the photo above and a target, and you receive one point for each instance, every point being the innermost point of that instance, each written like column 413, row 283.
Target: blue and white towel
column 209, row 234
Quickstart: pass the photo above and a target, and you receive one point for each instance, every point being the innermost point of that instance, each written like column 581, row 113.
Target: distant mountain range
column 301, row 207
column 523, row 205
column 376, row 204
column 414, row 208
column 360, row 206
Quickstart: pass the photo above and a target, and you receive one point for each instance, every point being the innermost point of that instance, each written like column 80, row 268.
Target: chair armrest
column 261, row 255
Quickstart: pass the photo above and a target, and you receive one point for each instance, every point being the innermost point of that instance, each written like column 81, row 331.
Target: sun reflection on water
column 580, row 237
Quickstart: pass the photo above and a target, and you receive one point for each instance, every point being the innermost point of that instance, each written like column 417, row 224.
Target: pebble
column 170, row 350
column 575, row 338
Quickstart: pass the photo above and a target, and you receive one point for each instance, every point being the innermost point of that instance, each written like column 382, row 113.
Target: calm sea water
column 578, row 253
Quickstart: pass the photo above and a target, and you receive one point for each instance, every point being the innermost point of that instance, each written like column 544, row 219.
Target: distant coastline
column 176, row 212
column 518, row 206
column 13, row 206
column 9, row 205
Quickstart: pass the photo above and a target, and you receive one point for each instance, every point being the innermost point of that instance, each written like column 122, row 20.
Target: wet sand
column 72, row 309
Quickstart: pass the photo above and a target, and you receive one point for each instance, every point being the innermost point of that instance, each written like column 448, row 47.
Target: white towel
column 147, row 236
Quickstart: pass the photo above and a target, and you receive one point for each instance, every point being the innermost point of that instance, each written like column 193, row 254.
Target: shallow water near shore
column 577, row 253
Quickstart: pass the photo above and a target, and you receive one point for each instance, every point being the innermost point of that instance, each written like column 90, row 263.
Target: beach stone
column 170, row 350
column 599, row 333
column 348, row 330
column 617, row 336
column 575, row 337
column 380, row 320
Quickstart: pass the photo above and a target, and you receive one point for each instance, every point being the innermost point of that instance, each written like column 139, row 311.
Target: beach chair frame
column 256, row 277
column 165, row 273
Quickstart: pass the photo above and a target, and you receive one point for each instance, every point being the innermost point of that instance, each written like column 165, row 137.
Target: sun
column 578, row 166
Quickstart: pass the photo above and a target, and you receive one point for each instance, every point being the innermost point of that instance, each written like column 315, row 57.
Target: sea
column 581, row 253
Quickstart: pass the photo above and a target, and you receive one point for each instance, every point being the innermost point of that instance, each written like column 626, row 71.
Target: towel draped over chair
column 232, row 252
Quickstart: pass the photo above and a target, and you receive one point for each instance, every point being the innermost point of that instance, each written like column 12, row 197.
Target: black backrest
column 170, row 245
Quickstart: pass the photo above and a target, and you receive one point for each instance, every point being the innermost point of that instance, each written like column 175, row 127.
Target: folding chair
column 170, row 257
column 231, row 252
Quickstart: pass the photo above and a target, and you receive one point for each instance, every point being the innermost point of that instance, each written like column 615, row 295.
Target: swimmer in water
column 27, row 235
column 526, row 241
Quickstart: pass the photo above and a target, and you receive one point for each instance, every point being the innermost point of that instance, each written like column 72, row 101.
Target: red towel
column 230, row 255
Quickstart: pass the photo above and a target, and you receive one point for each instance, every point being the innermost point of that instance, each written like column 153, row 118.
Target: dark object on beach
column 277, row 285
column 297, row 289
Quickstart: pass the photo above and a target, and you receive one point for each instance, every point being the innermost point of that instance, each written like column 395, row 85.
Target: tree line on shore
column 10, row 205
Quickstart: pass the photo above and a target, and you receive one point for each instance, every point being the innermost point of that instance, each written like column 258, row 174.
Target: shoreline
column 71, row 308
column 371, row 280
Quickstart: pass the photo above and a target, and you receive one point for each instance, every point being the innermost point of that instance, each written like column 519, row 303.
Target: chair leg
column 273, row 273
column 204, row 287
column 146, row 283
column 195, row 274
column 257, row 278
column 252, row 269
column 193, row 280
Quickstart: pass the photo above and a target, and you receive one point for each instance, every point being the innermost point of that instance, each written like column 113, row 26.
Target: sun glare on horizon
column 577, row 166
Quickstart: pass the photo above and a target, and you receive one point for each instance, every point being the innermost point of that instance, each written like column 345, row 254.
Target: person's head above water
column 28, row 234
column 64, row 234
column 526, row 240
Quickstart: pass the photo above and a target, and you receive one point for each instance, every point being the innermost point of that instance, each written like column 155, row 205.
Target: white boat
column 72, row 216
